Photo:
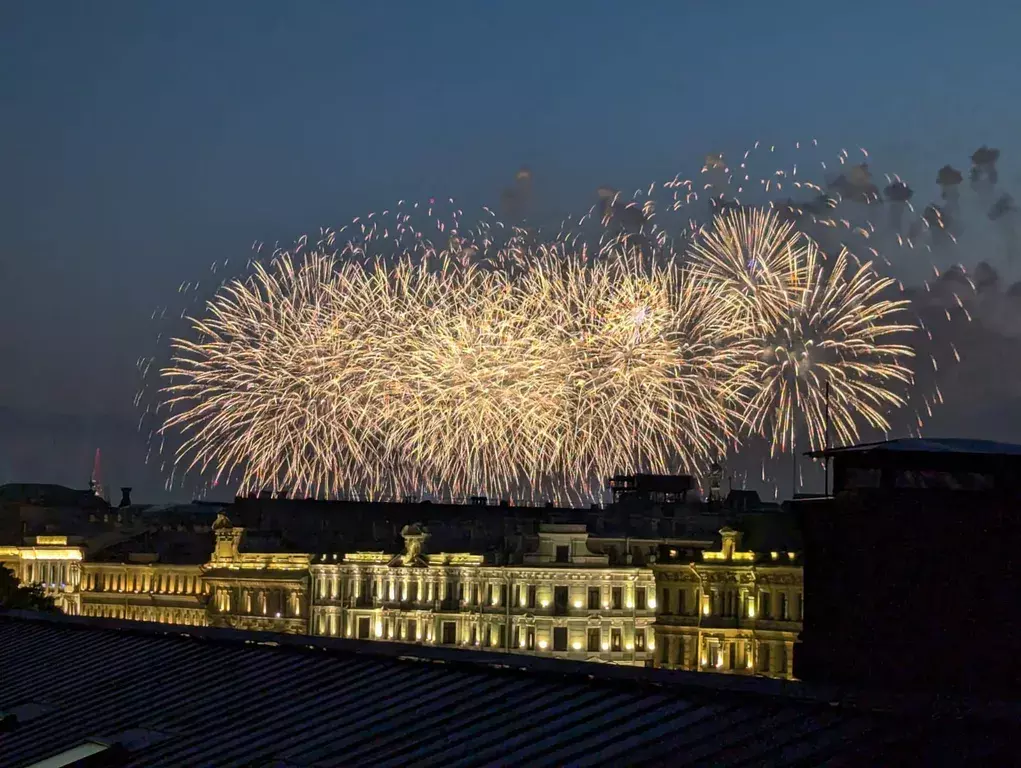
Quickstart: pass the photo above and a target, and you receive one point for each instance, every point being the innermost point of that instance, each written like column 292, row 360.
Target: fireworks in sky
column 811, row 323
column 530, row 370
column 416, row 351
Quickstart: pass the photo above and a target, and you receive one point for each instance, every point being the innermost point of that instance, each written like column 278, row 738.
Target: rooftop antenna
column 826, row 459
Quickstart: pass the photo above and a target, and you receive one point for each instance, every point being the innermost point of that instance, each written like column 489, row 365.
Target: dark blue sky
column 142, row 140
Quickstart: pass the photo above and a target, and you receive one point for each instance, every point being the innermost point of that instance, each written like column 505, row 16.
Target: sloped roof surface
column 931, row 445
column 215, row 698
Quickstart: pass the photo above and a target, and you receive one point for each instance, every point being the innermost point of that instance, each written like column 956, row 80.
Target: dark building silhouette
column 911, row 568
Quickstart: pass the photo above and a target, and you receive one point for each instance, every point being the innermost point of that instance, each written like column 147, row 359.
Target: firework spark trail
column 492, row 361
column 324, row 374
column 813, row 323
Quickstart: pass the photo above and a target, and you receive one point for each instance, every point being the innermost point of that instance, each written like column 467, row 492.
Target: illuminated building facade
column 251, row 590
column 144, row 591
column 734, row 611
column 563, row 600
column 51, row 563
column 672, row 603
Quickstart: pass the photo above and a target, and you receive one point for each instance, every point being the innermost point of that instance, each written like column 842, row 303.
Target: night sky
column 141, row 141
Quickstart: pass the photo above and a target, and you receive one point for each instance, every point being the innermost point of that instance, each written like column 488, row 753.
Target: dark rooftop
column 928, row 445
column 159, row 695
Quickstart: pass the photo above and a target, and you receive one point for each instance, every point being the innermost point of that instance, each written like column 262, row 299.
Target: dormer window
column 563, row 554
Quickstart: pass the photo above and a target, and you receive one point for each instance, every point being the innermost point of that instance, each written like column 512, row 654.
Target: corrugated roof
column 216, row 698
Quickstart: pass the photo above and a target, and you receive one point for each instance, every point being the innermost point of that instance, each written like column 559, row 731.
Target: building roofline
column 679, row 683
column 930, row 445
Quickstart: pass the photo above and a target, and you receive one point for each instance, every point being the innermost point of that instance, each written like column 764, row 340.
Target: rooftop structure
column 917, row 552
column 948, row 464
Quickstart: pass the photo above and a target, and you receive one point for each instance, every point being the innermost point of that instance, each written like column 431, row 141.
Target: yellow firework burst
column 328, row 376
column 811, row 322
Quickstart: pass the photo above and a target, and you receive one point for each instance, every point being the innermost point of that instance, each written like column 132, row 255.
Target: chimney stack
column 125, row 497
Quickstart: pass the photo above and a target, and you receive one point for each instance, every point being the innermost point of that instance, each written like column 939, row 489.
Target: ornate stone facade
column 51, row 563
column 144, row 591
column 563, row 601
column 253, row 590
column 730, row 611
column 736, row 612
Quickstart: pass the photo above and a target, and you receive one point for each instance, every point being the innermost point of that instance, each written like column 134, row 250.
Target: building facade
column 735, row 611
column 143, row 590
column 252, row 590
column 563, row 600
column 571, row 596
column 50, row 562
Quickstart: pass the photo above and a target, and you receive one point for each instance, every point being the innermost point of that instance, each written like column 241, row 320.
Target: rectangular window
column 530, row 638
column 617, row 597
column 764, row 606
column 801, row 606
column 681, row 595
column 517, row 637
column 375, row 588
column 489, row 594
column 560, row 601
column 475, row 594
column 474, row 639
column 764, row 657
column 714, row 654
column 593, row 640
column 531, row 595
column 503, row 594
column 664, row 602
column 449, row 633
column 460, row 591
column 563, row 554
column 559, row 638
column 639, row 639
column 640, row 598
column 413, row 591
column 412, row 630
column 593, row 598
column 784, row 608
column 488, row 641
column 363, row 627
column 616, row 639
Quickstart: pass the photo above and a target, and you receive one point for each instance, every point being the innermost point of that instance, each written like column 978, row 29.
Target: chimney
column 125, row 497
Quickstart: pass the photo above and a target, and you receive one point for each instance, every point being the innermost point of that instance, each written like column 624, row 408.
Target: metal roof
column 186, row 697
column 928, row 445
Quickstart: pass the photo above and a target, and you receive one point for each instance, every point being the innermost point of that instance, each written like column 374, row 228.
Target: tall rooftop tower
column 96, row 482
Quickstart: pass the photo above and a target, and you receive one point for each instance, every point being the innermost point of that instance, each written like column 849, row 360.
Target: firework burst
column 328, row 375
column 811, row 322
